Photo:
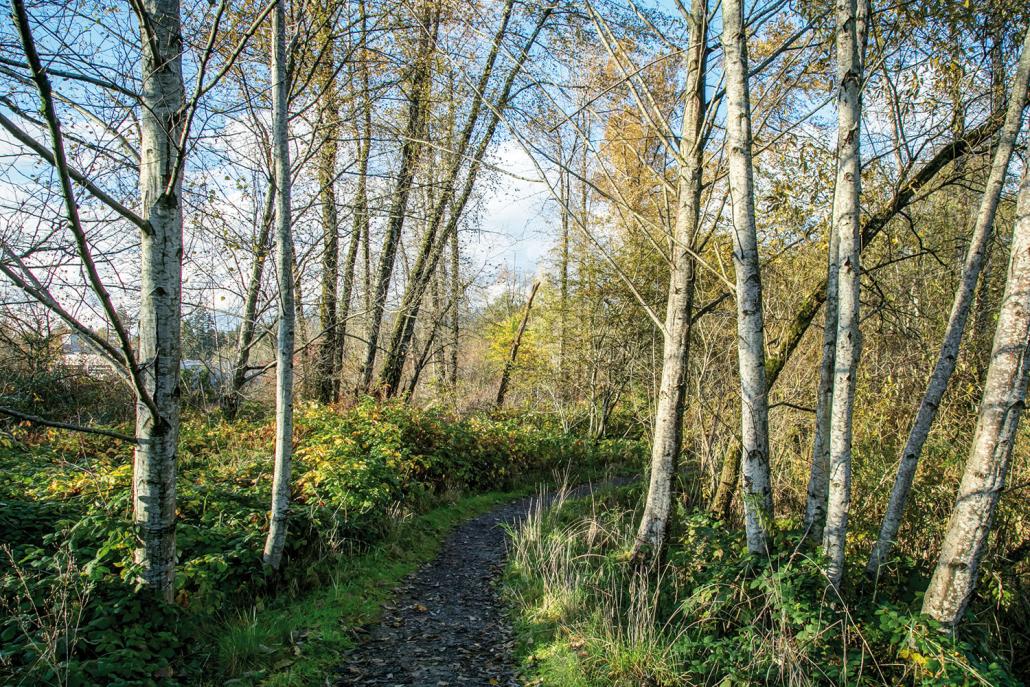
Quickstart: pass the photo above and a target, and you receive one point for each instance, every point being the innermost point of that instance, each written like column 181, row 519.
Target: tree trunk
column 852, row 16
column 563, row 276
column 975, row 256
column 502, row 388
column 161, row 122
column 981, row 343
column 668, row 428
column 411, row 148
column 360, row 226
column 819, row 476
column 954, row 579
column 284, row 346
column 439, row 312
column 455, row 323
column 729, row 475
column 301, row 332
column 750, row 326
column 248, row 323
column 328, row 350
column 433, row 245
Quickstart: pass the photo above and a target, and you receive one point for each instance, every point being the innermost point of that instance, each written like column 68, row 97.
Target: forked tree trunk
column 162, row 100
column 852, row 16
column 418, row 106
column 502, row 388
column 248, row 323
column 954, row 579
column 668, row 428
column 975, row 256
column 435, row 242
column 284, row 345
column 754, row 399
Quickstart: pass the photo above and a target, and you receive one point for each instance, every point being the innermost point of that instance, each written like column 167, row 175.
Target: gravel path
column 446, row 626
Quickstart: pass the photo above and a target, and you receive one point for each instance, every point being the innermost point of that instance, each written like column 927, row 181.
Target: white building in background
column 78, row 354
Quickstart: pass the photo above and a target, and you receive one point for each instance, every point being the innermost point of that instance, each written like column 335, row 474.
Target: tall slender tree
column 157, row 424
column 330, row 126
column 668, row 429
column 361, row 223
column 276, row 540
column 852, row 16
column 754, row 399
column 418, row 103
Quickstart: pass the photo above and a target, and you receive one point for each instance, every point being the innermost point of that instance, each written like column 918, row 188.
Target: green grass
column 301, row 639
column 713, row 615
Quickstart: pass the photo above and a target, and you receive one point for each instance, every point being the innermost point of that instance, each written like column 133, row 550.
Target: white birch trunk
column 1002, row 406
column 284, row 346
column 668, row 430
column 819, row 476
column 975, row 257
column 750, row 326
column 851, row 20
column 155, row 457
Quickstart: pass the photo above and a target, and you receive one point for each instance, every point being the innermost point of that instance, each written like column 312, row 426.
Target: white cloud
column 516, row 228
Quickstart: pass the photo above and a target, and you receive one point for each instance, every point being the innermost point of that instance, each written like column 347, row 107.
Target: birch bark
column 284, row 263
column 954, row 579
column 668, row 431
column 754, row 399
column 976, row 254
column 819, row 476
column 852, row 16
column 161, row 122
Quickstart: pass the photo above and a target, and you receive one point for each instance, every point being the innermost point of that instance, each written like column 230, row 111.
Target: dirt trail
column 446, row 625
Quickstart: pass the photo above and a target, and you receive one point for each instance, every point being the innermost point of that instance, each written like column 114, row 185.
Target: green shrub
column 70, row 608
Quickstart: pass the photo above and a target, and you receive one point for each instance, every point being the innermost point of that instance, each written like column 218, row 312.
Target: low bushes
column 71, row 610
column 712, row 614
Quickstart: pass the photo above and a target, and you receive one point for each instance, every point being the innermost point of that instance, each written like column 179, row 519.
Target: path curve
column 446, row 625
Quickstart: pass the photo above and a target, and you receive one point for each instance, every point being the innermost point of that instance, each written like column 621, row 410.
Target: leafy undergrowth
column 70, row 609
column 711, row 614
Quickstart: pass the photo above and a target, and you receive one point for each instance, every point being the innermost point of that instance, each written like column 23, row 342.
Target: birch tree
column 819, row 477
column 1001, row 408
column 276, row 539
column 668, row 430
column 976, row 254
column 852, row 16
column 758, row 503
